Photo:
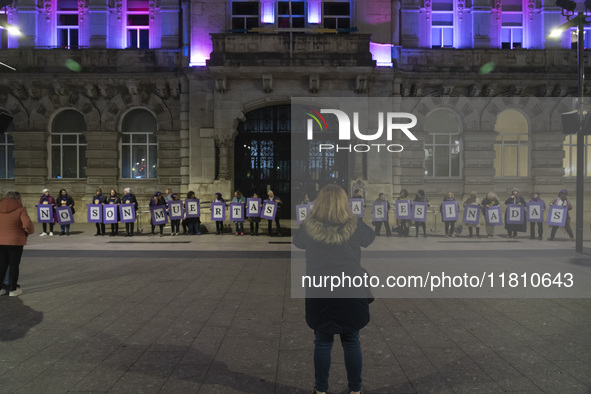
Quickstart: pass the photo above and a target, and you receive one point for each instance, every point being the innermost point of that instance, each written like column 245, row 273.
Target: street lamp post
column 579, row 21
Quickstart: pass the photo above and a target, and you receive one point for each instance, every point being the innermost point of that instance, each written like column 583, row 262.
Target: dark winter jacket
column 335, row 250
column 129, row 199
column 99, row 199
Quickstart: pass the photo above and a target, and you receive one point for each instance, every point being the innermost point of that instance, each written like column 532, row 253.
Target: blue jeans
column 239, row 227
column 65, row 227
column 353, row 359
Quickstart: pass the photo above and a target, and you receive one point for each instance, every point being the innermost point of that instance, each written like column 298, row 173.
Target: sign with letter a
column 254, row 207
column 493, row 216
column 534, row 212
column 357, row 206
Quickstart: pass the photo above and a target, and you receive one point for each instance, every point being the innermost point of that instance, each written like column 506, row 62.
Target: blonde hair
column 332, row 206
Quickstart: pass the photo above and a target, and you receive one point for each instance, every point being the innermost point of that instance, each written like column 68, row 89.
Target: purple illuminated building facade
column 194, row 95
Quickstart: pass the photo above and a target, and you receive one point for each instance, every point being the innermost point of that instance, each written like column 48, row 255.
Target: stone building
column 194, row 95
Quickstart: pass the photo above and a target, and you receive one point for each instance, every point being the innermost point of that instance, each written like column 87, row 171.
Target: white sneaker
column 15, row 293
column 42, row 234
column 172, row 234
column 3, row 291
column 51, row 234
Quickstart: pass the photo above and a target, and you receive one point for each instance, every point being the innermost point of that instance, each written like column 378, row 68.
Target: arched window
column 139, row 148
column 442, row 146
column 68, row 145
column 570, row 156
column 512, row 145
column 6, row 157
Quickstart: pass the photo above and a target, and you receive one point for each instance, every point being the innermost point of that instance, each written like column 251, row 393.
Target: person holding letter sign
column 64, row 200
column 563, row 201
column 450, row 225
column 15, row 227
column 333, row 237
column 114, row 200
column 420, row 197
column 532, row 225
column 377, row 223
column 403, row 224
column 515, row 199
column 99, row 199
column 158, row 199
column 191, row 225
column 273, row 197
column 239, row 199
column 175, row 224
column 491, row 200
column 47, row 199
column 473, row 200
column 254, row 221
column 219, row 225
column 129, row 198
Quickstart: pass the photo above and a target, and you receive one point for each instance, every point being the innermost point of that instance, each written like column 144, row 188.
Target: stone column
column 102, row 157
column 30, row 157
column 395, row 24
column 224, row 145
column 169, row 159
column 479, row 159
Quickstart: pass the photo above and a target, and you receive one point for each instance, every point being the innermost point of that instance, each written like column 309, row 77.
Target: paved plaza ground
column 214, row 314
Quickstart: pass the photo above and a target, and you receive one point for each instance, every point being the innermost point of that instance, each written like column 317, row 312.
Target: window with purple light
column 512, row 24
column 245, row 15
column 586, row 38
column 442, row 24
column 138, row 24
column 67, row 24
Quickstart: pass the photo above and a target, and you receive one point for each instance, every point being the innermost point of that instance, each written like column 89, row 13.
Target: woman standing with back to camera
column 332, row 237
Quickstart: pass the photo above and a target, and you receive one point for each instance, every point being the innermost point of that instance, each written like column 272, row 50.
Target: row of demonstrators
column 518, row 213
column 49, row 205
column 114, row 201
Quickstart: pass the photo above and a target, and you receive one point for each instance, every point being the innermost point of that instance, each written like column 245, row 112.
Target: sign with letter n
column 379, row 211
column 557, row 215
column 472, row 214
column 44, row 213
column 269, row 210
column 218, row 211
column 127, row 213
column 159, row 216
column 64, row 215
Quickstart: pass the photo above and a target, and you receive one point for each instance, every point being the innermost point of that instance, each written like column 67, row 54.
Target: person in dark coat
column 490, row 201
column 378, row 224
column 332, row 237
column 563, row 201
column 219, row 225
column 191, row 226
column 99, row 199
column 158, row 199
column 114, row 200
column 47, row 199
column 129, row 198
column 403, row 224
column 273, row 197
column 450, row 225
column 64, row 200
column 420, row 197
column 512, row 229
column 532, row 226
